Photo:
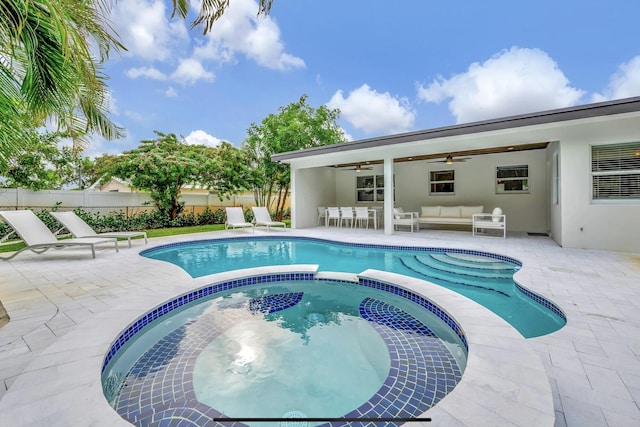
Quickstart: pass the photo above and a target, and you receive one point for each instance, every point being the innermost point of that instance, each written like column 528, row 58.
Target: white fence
column 105, row 202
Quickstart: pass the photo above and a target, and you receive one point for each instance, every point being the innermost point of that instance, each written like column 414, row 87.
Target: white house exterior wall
column 311, row 188
column 576, row 221
column 555, row 207
column 596, row 224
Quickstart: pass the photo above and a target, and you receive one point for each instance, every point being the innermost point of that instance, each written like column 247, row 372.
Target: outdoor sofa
column 450, row 215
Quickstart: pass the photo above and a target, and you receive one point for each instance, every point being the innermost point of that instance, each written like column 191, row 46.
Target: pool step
column 417, row 269
column 476, row 262
column 440, row 263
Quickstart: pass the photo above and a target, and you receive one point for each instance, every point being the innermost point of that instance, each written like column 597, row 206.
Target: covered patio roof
column 483, row 137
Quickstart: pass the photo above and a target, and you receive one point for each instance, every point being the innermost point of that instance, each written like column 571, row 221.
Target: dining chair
column 362, row 216
column 322, row 214
column 346, row 214
column 333, row 213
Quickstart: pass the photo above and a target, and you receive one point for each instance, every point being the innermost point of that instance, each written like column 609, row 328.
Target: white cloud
column 149, row 72
column 347, row 135
column 112, row 104
column 134, row 115
column 371, row 111
column 241, row 31
column 200, row 137
column 171, row 92
column 190, row 70
column 514, row 81
column 145, row 29
column 624, row 83
column 100, row 146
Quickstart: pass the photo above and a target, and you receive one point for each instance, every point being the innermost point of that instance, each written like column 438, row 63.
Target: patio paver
column 592, row 364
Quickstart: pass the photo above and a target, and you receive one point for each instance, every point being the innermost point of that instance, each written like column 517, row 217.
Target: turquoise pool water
column 322, row 348
column 484, row 278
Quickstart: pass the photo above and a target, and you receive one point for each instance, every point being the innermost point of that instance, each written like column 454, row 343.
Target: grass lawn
column 158, row 232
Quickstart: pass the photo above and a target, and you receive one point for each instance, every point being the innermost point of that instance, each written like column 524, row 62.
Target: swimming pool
column 322, row 348
column 485, row 278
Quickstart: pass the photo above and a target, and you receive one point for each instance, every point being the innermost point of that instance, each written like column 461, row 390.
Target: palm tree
column 51, row 53
column 211, row 11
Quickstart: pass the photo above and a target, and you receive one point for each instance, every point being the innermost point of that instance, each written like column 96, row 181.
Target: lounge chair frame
column 235, row 219
column 81, row 230
column 262, row 218
column 38, row 238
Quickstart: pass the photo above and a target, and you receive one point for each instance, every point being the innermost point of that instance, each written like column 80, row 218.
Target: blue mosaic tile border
column 178, row 302
column 334, row 242
column 542, row 301
column 195, row 295
column 420, row 300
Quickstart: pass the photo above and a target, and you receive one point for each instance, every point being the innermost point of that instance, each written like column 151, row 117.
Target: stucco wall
column 311, row 188
column 596, row 224
column 555, row 200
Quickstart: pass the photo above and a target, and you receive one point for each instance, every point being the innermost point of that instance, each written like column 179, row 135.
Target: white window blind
column 615, row 171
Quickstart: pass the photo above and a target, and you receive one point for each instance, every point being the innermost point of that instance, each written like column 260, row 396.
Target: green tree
column 39, row 164
column 296, row 126
column 52, row 51
column 211, row 11
column 163, row 166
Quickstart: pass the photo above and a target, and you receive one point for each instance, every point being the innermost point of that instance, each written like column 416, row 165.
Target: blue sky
column 389, row 67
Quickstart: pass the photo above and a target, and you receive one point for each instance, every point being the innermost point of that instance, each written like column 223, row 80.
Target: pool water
column 320, row 348
column 482, row 278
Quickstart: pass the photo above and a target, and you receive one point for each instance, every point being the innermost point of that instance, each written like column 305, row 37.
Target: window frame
column 525, row 179
column 604, row 158
column 440, row 187
column 376, row 188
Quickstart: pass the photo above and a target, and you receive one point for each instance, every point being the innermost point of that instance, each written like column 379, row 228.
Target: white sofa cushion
column 430, row 211
column 450, row 211
column 468, row 211
column 397, row 212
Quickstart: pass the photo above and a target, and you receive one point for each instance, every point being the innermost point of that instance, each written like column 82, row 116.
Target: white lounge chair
column 400, row 217
column 38, row 238
column 80, row 229
column 235, row 219
column 263, row 218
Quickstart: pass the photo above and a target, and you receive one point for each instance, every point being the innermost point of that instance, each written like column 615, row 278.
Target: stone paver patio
column 592, row 364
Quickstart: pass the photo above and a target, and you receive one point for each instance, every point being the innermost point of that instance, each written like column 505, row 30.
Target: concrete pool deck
column 592, row 364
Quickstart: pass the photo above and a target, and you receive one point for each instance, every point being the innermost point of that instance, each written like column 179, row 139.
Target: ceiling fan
column 358, row 168
column 450, row 160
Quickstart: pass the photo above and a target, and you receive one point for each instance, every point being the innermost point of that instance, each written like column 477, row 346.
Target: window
column 442, row 182
column 370, row 188
column 615, row 171
column 512, row 179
